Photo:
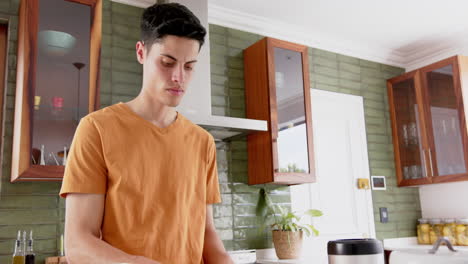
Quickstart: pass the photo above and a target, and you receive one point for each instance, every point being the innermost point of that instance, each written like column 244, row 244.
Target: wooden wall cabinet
column 277, row 89
column 57, row 83
column 430, row 138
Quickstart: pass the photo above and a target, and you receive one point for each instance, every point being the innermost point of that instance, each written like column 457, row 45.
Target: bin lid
column 365, row 246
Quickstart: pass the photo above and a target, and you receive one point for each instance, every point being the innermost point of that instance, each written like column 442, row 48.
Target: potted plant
column 287, row 230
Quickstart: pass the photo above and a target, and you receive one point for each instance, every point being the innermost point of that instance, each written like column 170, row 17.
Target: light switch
column 383, row 215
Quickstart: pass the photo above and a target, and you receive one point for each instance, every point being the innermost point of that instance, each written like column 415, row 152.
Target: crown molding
column 272, row 28
column 434, row 56
column 409, row 60
column 416, row 58
column 425, row 55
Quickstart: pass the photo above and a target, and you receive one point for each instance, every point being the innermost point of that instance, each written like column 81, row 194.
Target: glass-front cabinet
column 408, row 134
column 57, row 82
column 277, row 90
column 446, row 123
column 428, row 123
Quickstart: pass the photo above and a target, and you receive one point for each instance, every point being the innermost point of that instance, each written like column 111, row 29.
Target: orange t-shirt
column 157, row 181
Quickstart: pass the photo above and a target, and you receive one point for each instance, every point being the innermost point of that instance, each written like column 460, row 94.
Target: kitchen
column 36, row 206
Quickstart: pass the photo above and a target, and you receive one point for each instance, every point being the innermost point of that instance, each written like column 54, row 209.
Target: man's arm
column 83, row 221
column 213, row 249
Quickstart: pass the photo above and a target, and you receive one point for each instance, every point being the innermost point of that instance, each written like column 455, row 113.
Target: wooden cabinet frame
column 432, row 154
column 460, row 78
column 260, row 96
column 415, row 76
column 22, row 169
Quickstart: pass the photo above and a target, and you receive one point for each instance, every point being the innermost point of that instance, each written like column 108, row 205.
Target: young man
column 140, row 177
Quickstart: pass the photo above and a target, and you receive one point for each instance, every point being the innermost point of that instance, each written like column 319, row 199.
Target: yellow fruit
column 446, row 231
column 426, row 239
column 461, row 229
column 425, row 228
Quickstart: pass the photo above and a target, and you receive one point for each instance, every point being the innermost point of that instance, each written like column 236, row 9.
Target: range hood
column 196, row 104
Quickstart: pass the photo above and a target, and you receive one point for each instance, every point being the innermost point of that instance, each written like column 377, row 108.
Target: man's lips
column 175, row 91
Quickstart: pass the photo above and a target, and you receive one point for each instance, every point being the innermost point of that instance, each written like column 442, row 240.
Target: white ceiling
column 406, row 33
column 399, row 32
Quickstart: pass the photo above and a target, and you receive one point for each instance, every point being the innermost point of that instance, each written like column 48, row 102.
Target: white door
column 341, row 158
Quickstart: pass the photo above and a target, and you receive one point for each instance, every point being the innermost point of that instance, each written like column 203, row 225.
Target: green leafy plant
column 277, row 218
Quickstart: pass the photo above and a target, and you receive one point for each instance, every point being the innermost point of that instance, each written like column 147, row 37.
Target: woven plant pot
column 287, row 249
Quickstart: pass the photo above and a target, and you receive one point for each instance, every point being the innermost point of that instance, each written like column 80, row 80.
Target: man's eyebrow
column 169, row 56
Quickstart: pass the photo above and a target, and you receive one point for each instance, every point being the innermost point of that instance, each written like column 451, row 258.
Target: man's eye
column 167, row 64
column 189, row 67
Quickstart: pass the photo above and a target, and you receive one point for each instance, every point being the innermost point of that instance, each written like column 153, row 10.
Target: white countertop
column 403, row 243
column 263, row 256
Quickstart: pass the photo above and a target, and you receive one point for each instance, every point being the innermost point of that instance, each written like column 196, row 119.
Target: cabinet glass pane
column 62, row 76
column 293, row 155
column 446, row 128
column 408, row 126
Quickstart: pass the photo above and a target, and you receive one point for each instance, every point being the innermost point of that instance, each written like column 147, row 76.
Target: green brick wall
column 328, row 71
column 343, row 74
column 37, row 206
column 227, row 96
column 121, row 74
column 24, row 205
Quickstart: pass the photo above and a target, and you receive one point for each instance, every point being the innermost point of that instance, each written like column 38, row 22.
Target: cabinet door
column 445, row 121
column 277, row 89
column 290, row 113
column 409, row 138
column 57, row 82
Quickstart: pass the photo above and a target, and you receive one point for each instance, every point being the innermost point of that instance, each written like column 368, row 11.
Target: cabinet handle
column 430, row 162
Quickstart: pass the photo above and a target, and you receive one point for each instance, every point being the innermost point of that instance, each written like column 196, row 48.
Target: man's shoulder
column 196, row 130
column 104, row 116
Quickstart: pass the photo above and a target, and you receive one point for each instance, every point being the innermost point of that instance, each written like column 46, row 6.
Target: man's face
column 168, row 67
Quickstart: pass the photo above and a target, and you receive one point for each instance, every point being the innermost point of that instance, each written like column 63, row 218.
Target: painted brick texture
column 37, row 206
column 332, row 72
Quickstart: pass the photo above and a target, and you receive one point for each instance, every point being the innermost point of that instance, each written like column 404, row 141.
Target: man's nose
column 178, row 75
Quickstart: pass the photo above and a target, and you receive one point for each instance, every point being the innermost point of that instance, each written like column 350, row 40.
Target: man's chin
column 174, row 103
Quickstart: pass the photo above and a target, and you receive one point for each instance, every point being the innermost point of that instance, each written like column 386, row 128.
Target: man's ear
column 140, row 52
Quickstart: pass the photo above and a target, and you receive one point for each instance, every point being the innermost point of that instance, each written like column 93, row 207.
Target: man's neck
column 153, row 111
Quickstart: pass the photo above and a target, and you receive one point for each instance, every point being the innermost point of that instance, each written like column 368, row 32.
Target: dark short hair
column 160, row 20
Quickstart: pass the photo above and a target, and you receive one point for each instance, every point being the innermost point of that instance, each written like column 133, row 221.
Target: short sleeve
column 212, row 184
column 86, row 170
